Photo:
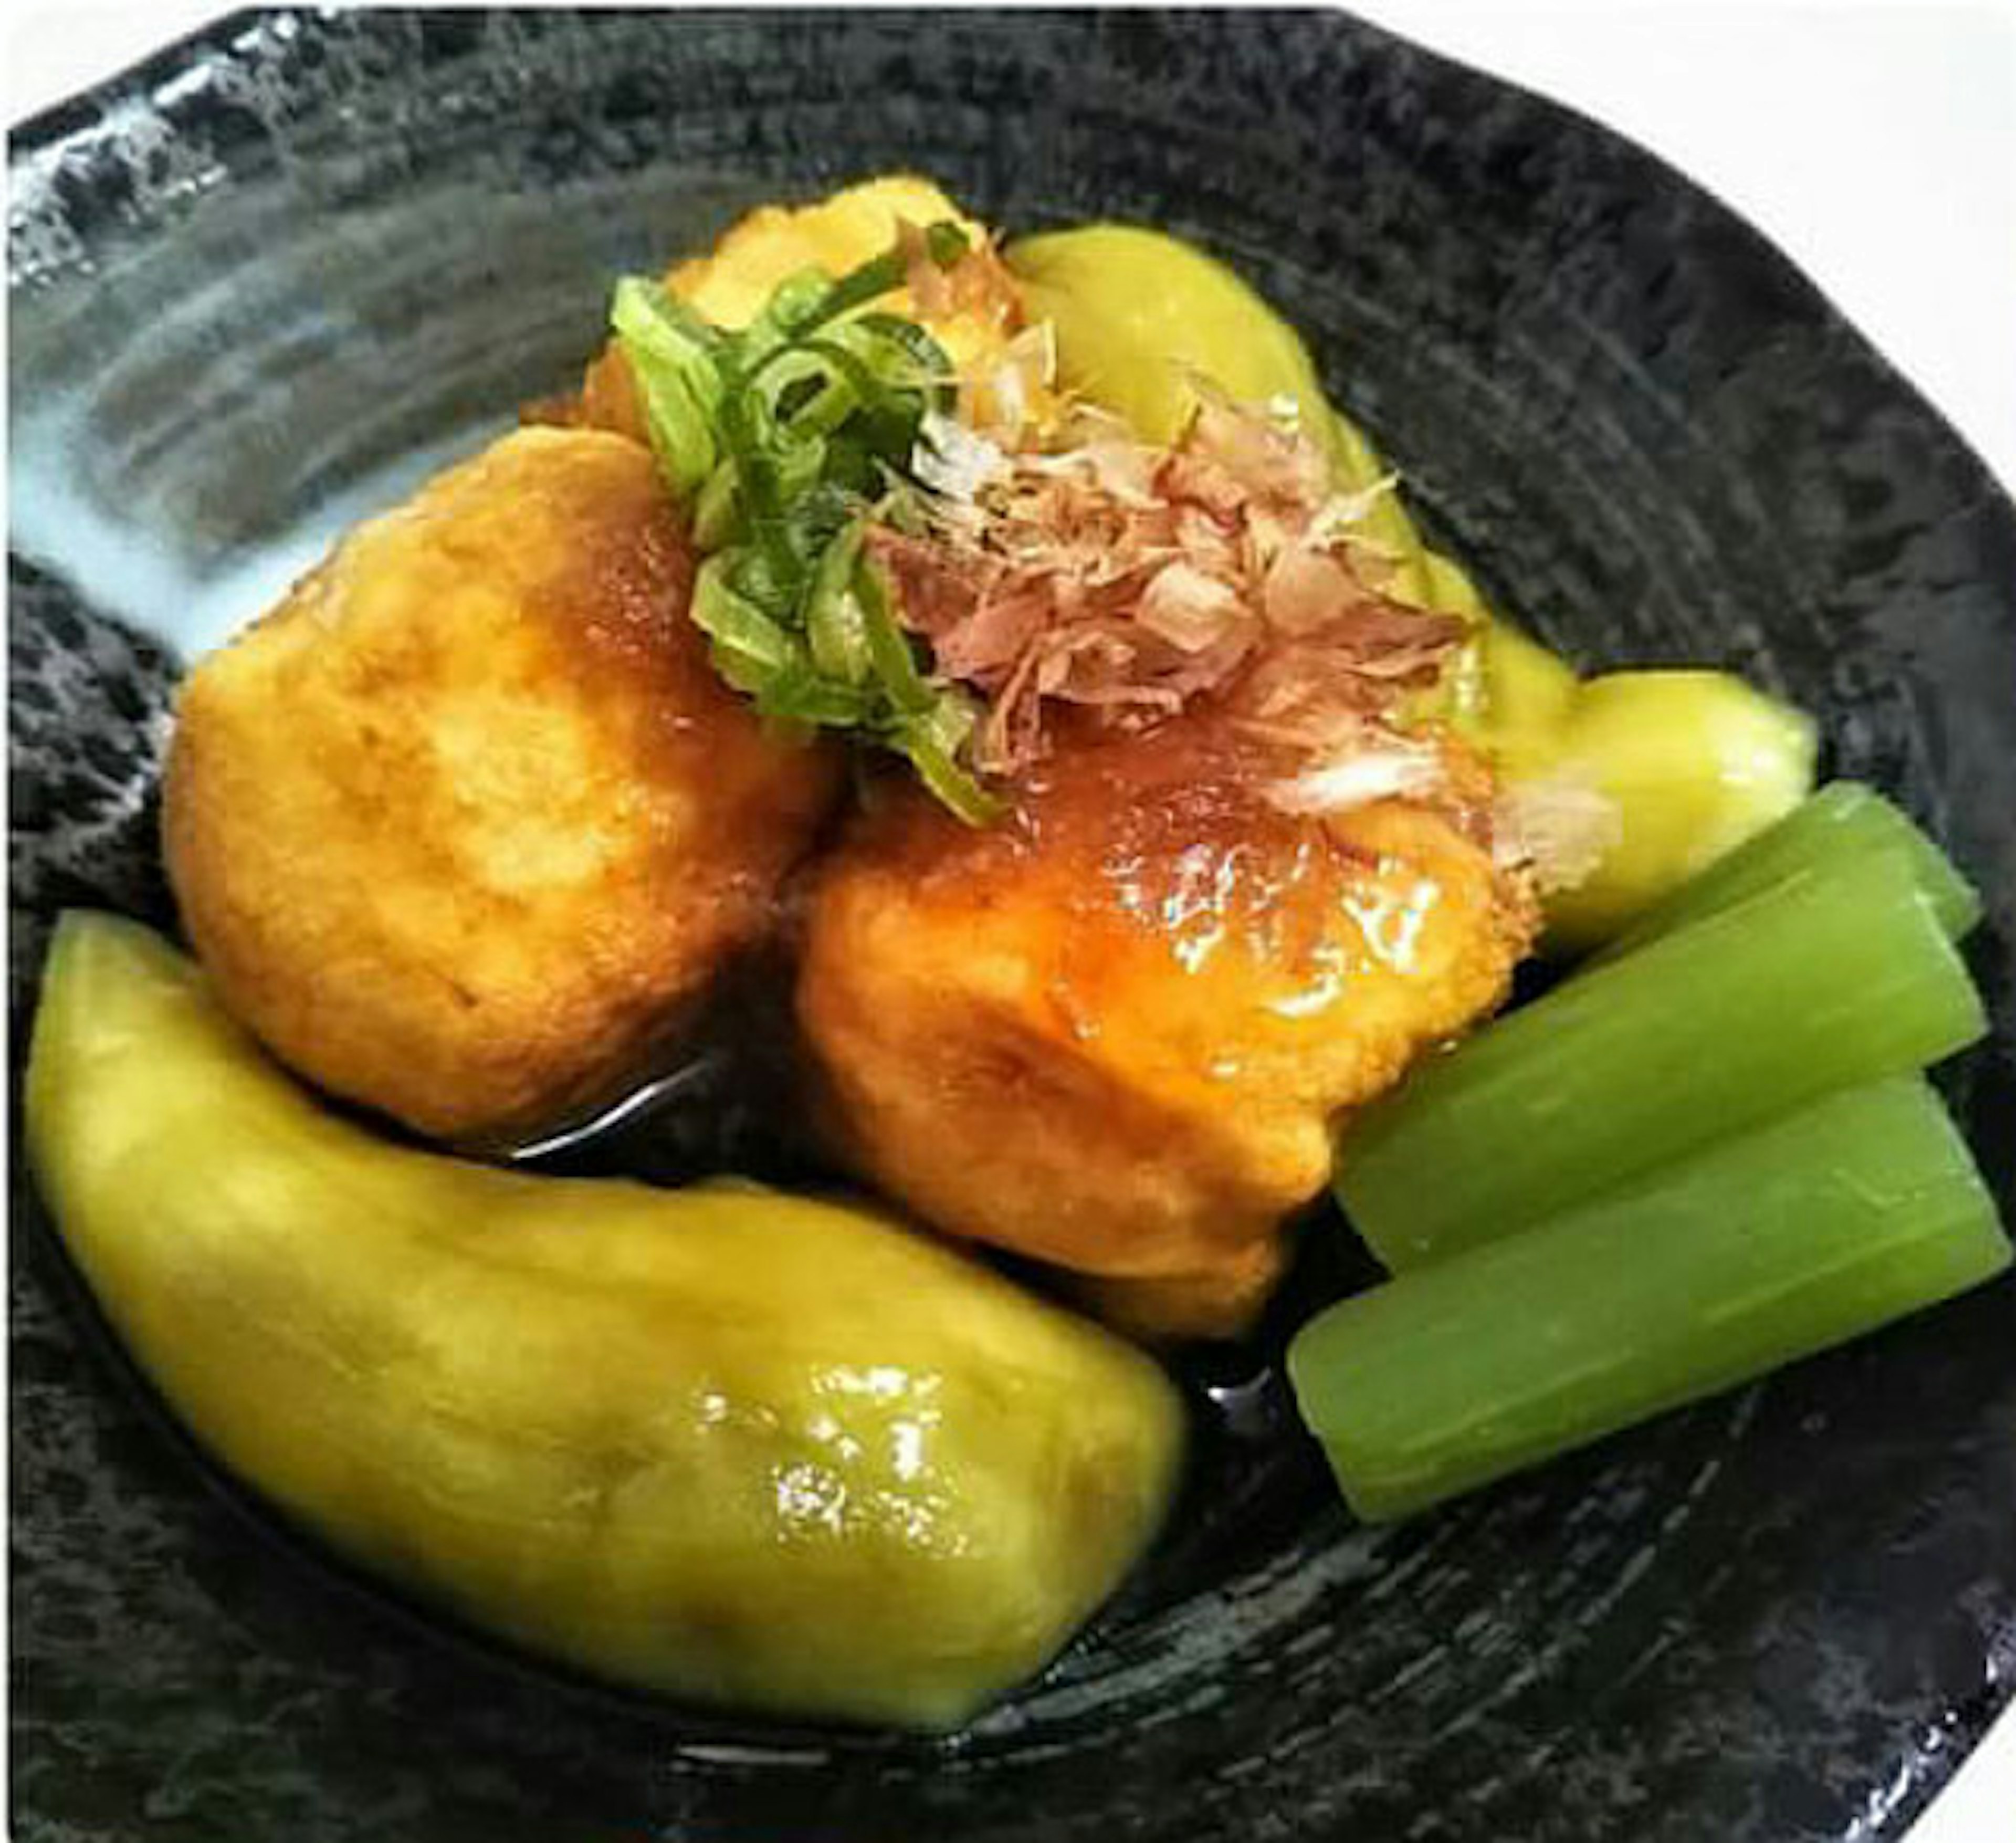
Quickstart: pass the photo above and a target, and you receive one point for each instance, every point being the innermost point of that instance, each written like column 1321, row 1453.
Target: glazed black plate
column 260, row 283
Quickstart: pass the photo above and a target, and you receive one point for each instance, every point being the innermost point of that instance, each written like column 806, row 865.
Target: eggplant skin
column 722, row 1444
column 466, row 825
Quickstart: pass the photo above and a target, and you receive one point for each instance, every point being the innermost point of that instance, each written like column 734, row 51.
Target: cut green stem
column 1807, row 1231
column 1831, row 976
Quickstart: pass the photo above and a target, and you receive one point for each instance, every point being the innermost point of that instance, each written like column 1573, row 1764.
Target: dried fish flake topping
column 1102, row 573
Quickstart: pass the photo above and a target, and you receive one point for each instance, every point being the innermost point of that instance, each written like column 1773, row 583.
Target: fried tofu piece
column 730, row 283
column 463, row 828
column 1113, row 1032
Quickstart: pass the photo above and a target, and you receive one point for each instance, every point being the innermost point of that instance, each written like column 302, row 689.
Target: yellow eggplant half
column 718, row 1443
column 1693, row 762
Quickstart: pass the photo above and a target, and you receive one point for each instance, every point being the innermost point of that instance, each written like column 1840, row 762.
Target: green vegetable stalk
column 1839, row 974
column 1822, row 1225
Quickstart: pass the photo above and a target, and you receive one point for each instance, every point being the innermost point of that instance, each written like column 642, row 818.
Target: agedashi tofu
column 1113, row 1034
column 465, row 827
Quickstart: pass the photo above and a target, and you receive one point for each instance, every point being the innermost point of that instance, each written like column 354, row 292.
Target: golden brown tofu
column 462, row 828
column 1113, row 1031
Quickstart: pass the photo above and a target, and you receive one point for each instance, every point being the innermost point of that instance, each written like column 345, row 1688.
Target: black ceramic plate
column 257, row 284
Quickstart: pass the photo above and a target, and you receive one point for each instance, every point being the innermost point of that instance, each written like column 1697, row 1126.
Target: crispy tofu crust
column 1114, row 1032
column 463, row 828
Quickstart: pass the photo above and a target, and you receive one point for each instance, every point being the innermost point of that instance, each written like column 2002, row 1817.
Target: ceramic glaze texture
column 265, row 283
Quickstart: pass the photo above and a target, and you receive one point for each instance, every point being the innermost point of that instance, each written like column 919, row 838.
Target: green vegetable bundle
column 1703, row 1158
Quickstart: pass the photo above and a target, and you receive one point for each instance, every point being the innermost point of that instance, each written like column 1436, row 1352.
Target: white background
column 1874, row 142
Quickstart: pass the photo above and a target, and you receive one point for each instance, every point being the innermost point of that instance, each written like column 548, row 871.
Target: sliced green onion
column 655, row 324
column 681, row 436
column 750, row 649
column 777, row 434
column 846, row 368
column 675, row 361
column 950, row 782
column 793, row 306
column 1823, row 1225
column 934, row 741
column 801, row 465
column 762, row 491
column 815, row 391
column 717, row 517
column 895, row 665
column 802, row 695
column 1842, row 819
column 949, row 722
column 1834, row 976
column 835, row 625
column 758, row 577
column 903, row 353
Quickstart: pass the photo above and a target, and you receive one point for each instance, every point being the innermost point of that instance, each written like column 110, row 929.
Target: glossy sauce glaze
column 1112, row 1031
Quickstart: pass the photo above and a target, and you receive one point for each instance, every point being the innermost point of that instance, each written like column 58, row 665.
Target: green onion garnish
column 779, row 438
